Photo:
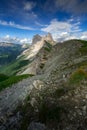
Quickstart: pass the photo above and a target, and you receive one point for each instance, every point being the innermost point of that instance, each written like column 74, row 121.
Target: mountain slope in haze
column 56, row 95
column 8, row 57
column 9, row 52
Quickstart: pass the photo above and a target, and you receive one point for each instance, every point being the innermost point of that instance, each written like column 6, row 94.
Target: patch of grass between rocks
column 78, row 76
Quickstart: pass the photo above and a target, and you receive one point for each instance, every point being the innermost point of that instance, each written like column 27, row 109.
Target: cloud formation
column 70, row 6
column 63, row 30
column 28, row 6
column 84, row 35
column 13, row 24
column 17, row 40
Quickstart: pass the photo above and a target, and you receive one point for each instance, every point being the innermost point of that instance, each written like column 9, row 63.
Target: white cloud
column 33, row 15
column 25, row 40
column 28, row 6
column 13, row 24
column 63, row 30
column 56, row 25
column 84, row 36
column 10, row 39
column 39, row 24
column 7, row 37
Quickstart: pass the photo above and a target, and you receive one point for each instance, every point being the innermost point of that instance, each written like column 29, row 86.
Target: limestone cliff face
column 49, row 38
column 36, row 38
column 38, row 43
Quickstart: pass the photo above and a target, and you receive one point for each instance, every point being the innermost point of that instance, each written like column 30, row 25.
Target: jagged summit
column 36, row 38
column 49, row 37
column 37, row 43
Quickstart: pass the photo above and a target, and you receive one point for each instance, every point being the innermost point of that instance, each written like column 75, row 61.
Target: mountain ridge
column 56, row 90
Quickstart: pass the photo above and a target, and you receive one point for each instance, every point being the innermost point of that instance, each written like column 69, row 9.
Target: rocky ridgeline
column 37, row 43
column 31, row 53
column 47, row 37
column 54, row 102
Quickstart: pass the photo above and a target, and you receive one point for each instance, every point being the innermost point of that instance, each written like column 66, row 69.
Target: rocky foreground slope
column 56, row 97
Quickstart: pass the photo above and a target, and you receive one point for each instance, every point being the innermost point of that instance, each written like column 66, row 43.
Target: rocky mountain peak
column 49, row 38
column 36, row 38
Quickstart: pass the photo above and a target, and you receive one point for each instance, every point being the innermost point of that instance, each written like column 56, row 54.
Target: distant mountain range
column 9, row 52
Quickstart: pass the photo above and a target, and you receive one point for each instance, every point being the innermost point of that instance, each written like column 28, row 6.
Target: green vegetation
column 42, row 65
column 9, row 53
column 4, row 56
column 82, row 64
column 3, row 77
column 12, row 80
column 47, row 49
column 48, row 46
column 27, row 111
column 78, row 76
column 49, row 111
column 22, row 63
column 83, row 49
column 13, row 68
column 60, row 92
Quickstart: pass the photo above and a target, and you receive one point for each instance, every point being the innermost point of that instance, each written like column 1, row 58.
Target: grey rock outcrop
column 36, row 126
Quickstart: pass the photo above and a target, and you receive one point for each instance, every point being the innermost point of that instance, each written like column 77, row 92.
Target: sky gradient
column 21, row 19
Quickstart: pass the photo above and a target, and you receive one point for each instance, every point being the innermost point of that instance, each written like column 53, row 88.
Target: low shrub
column 78, row 76
column 42, row 65
column 48, row 111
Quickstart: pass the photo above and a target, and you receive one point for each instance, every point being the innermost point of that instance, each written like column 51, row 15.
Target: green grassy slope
column 12, row 80
column 9, row 53
column 14, row 67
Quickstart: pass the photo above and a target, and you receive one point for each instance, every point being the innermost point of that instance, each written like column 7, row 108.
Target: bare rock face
column 38, row 43
column 36, row 126
column 36, row 38
column 48, row 37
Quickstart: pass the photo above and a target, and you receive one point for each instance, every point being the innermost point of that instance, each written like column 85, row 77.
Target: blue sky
column 21, row 19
